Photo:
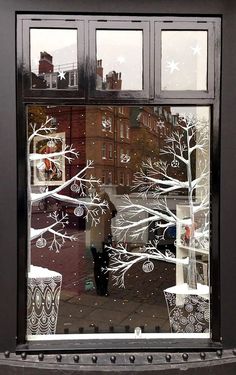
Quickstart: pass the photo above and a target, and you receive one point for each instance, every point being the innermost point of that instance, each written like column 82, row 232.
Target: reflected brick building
column 118, row 139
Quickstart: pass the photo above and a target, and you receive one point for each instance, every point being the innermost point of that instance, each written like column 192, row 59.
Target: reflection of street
column 141, row 303
column 116, row 140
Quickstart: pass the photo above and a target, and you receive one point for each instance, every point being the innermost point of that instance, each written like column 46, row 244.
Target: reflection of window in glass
column 145, row 120
column 103, row 177
column 51, row 80
column 156, row 127
column 117, row 50
column 121, row 154
column 121, row 130
column 184, row 60
column 110, row 151
column 73, row 76
column 127, row 131
column 109, row 178
column 53, row 51
column 128, row 179
column 122, row 178
column 104, row 151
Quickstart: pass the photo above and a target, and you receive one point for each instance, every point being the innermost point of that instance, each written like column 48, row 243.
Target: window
column 183, row 56
column 188, row 63
column 58, row 223
column 109, row 178
column 103, row 177
column 73, row 78
column 121, row 129
column 142, row 219
column 51, row 80
column 116, row 50
column 114, row 45
column 122, row 178
column 127, row 131
column 104, row 151
column 121, row 110
column 53, row 54
column 53, row 57
column 122, row 154
column 128, row 179
column 110, row 152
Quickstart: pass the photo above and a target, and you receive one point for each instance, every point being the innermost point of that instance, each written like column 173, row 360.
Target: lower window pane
column 119, row 217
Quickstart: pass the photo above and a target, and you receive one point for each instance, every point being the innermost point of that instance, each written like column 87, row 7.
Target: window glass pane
column 184, row 60
column 119, row 59
column 119, row 225
column 53, row 56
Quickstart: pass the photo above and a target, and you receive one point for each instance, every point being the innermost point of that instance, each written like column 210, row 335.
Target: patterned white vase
column 188, row 309
column 44, row 287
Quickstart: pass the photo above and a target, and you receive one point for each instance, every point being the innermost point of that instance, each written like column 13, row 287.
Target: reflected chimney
column 113, row 81
column 99, row 69
column 45, row 63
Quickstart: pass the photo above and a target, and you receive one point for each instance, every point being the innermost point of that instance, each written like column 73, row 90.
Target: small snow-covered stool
column 43, row 295
column 188, row 309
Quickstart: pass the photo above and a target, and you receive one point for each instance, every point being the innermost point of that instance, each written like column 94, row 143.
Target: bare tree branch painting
column 186, row 145
column 88, row 205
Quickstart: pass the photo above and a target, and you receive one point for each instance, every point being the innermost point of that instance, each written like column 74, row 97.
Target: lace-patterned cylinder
column 44, row 287
column 188, row 309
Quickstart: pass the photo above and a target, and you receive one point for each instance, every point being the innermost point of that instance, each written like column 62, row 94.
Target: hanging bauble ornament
column 51, row 143
column 40, row 166
column 79, row 211
column 74, row 187
column 124, row 158
column 59, row 173
column 160, row 123
column 43, row 189
column 41, row 242
column 175, row 163
column 148, row 266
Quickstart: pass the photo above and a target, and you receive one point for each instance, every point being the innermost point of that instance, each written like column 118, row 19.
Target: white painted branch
column 35, row 197
column 43, row 128
column 52, row 155
column 75, row 201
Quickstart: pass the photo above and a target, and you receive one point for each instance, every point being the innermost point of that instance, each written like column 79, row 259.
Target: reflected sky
column 60, row 43
column 184, row 60
column 122, row 51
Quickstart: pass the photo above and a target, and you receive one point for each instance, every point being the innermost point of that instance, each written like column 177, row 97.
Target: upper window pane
column 119, row 59
column 184, row 60
column 53, row 56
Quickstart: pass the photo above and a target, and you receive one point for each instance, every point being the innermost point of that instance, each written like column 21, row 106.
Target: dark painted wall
column 8, row 192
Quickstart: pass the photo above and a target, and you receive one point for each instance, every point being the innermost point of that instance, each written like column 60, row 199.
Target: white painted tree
column 88, row 205
column 187, row 146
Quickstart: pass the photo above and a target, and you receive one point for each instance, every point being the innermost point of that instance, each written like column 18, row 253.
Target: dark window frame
column 56, row 98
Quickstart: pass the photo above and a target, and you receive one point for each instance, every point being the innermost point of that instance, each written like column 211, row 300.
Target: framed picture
column 50, row 169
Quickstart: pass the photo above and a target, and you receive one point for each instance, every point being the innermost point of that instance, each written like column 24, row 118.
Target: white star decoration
column 160, row 124
column 61, row 75
column 196, row 50
column 172, row 65
column 120, row 59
